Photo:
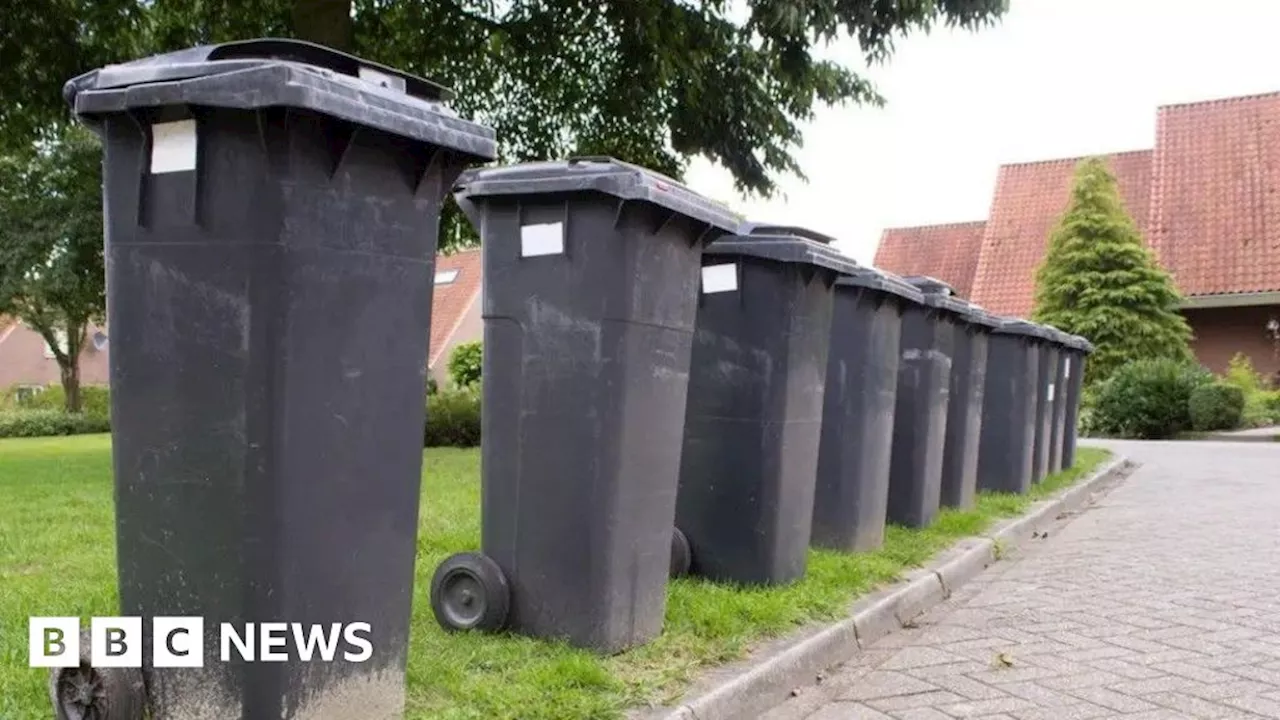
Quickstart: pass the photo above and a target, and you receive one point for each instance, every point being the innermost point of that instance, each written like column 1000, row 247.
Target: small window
column 444, row 277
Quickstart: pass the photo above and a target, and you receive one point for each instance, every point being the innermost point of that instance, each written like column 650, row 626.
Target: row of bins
column 669, row 391
column 666, row 390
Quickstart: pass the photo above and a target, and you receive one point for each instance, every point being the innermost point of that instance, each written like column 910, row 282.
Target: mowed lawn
column 57, row 557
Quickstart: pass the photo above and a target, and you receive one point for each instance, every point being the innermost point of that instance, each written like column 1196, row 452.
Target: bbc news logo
column 178, row 642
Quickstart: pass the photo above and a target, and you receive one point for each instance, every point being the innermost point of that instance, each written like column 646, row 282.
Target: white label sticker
column 542, row 239
column 173, row 147
column 381, row 79
column 720, row 278
column 1066, row 375
column 1051, row 388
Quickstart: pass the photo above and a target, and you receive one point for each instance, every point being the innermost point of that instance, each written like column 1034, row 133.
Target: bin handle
column 610, row 160
column 576, row 159
column 768, row 229
column 320, row 56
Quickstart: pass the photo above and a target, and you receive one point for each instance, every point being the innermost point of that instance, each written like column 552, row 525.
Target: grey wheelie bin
column 1009, row 406
column 852, row 490
column 591, row 271
column 964, row 407
column 271, row 212
column 1073, row 381
column 920, row 414
column 1062, row 343
column 754, row 418
column 1046, row 402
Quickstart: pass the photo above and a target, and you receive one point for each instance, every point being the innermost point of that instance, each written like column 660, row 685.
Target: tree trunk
column 69, row 364
column 71, row 385
column 327, row 22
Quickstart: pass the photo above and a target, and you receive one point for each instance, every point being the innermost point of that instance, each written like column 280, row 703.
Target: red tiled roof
column 1029, row 200
column 6, row 326
column 450, row 301
column 1215, row 221
column 947, row 252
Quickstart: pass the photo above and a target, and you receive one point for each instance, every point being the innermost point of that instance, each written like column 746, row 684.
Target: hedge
column 1219, row 406
column 1147, row 399
column 453, row 418
column 44, row 423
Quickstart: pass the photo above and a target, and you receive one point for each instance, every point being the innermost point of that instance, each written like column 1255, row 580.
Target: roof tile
column 450, row 301
column 947, row 252
column 1216, row 200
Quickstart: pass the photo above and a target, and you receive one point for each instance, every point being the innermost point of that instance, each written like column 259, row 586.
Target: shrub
column 465, row 364
column 453, row 418
column 1147, row 399
column 1218, row 406
column 45, row 423
column 1260, row 409
column 1271, row 401
column 1240, row 373
column 432, row 386
column 94, row 400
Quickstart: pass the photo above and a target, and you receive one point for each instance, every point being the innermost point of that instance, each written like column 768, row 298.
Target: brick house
column 455, row 309
column 1206, row 198
column 26, row 360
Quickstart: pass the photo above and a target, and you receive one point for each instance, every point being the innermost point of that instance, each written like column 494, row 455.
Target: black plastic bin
column 1078, row 352
column 754, row 419
column 1062, row 343
column 271, row 211
column 964, row 407
column 1009, row 406
column 591, row 291
column 1046, row 401
column 920, row 413
column 852, row 491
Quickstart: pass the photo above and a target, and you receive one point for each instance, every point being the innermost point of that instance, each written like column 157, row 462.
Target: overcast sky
column 1056, row 78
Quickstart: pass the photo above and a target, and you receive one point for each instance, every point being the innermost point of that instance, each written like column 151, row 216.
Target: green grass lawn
column 57, row 557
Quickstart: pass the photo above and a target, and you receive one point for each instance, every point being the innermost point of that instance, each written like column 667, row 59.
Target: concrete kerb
column 768, row 679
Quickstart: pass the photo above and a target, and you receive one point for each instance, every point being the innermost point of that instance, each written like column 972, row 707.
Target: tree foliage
column 1100, row 280
column 51, row 267
column 654, row 82
column 466, row 363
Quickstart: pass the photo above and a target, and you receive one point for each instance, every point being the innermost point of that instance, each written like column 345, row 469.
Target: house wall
column 1220, row 333
column 23, row 361
column 470, row 329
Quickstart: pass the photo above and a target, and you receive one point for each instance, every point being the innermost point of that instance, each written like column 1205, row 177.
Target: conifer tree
column 1100, row 280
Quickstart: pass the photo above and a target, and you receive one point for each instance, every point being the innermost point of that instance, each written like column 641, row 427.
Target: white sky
column 1056, row 78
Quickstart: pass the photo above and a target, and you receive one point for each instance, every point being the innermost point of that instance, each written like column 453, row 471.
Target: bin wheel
column 89, row 693
column 681, row 554
column 470, row 592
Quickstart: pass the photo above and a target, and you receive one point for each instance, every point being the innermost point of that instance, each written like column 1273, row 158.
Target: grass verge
column 57, row 557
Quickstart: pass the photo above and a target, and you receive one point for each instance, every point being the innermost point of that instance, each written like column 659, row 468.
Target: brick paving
column 1160, row 602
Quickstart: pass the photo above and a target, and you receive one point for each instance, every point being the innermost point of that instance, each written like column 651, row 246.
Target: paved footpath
column 1161, row 601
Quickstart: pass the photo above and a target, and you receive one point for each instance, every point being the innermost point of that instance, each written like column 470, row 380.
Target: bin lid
column 877, row 279
column 771, row 230
column 930, row 285
column 978, row 315
column 938, row 294
column 1058, row 336
column 1078, row 342
column 594, row 174
column 785, row 245
column 276, row 72
column 1025, row 328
